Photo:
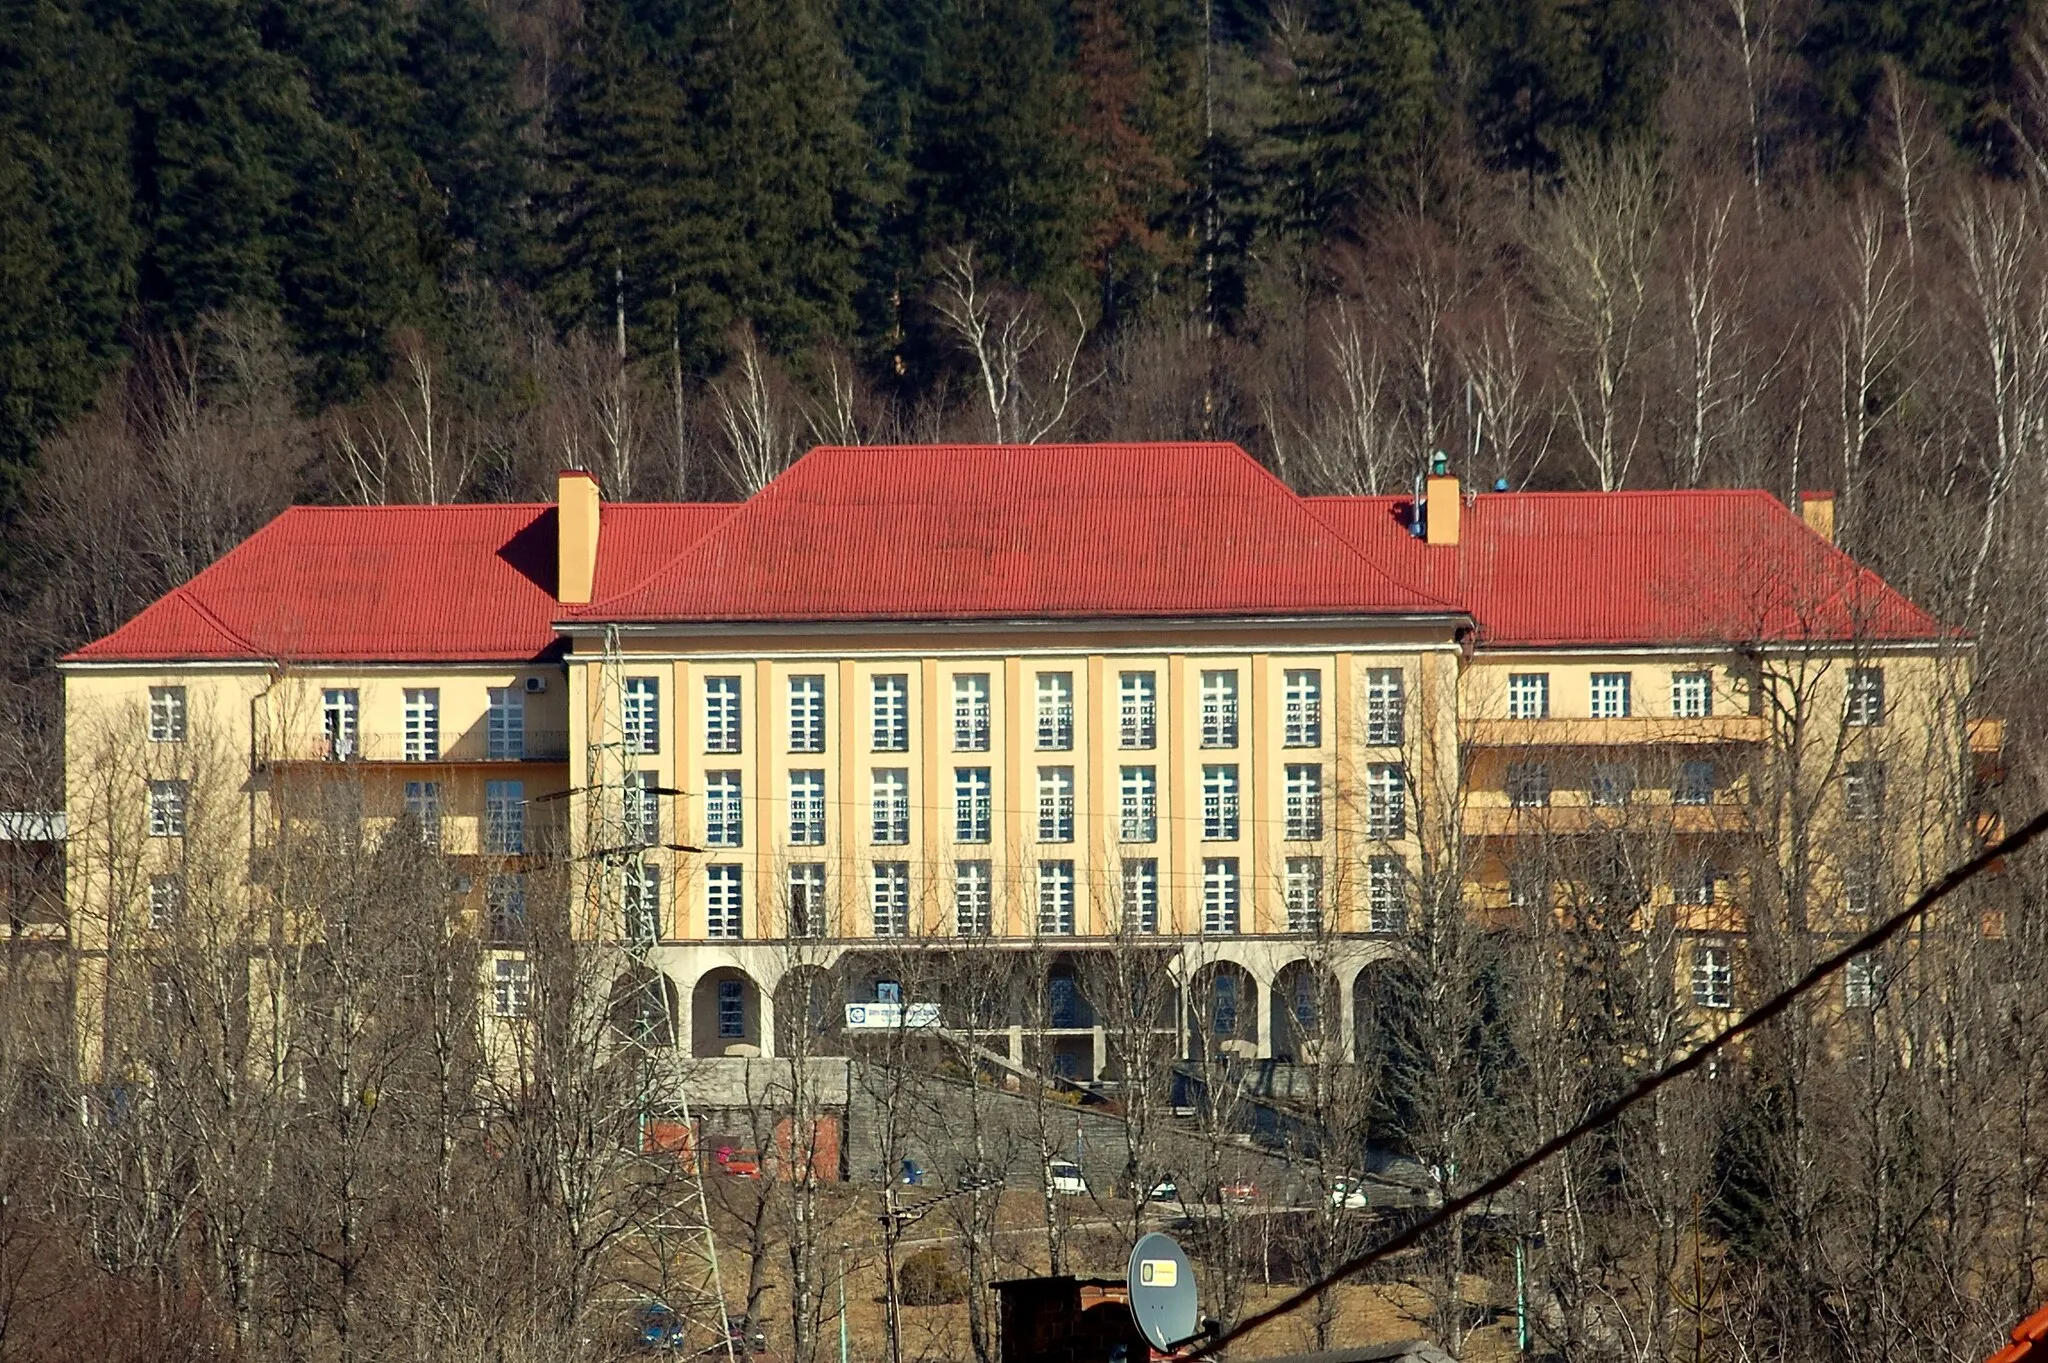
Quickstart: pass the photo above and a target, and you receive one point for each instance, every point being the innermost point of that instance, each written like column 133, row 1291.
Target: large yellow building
column 1061, row 707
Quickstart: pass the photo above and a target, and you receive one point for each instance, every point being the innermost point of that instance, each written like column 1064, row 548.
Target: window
column 167, row 714
column 505, row 817
column 1611, row 784
column 973, row 801
column 1528, row 695
column 806, row 808
column 1141, row 893
column 1695, row 784
column 1863, row 790
column 423, row 724
column 890, row 898
column 1303, row 891
column 888, row 991
column 505, row 724
column 505, row 907
column 1056, row 898
column 1713, row 976
column 891, row 705
column 1304, row 801
column 732, row 1010
column 1861, row 886
column 1386, row 707
column 1386, row 894
column 1219, row 894
column 1055, row 804
column 807, row 916
column 1137, row 710
column 643, row 903
column 423, row 807
column 1055, row 711
column 1610, row 695
column 1219, row 709
column 724, row 904
column 640, row 809
column 1138, row 788
column 973, row 898
column 166, row 901
column 642, row 717
column 1304, row 1005
column 1223, row 1004
column 970, row 712
column 891, row 805
column 1692, row 694
column 1528, row 785
column 1062, row 1001
column 1386, row 800
column 339, row 711
column 1694, row 884
column 1866, row 695
column 167, row 809
column 1219, row 802
column 724, row 819
column 510, row 989
column 1860, row 980
column 1528, row 885
column 721, row 714
column 1302, row 705
column 807, row 714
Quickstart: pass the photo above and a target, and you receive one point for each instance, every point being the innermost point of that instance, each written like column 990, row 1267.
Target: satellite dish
column 1162, row 1284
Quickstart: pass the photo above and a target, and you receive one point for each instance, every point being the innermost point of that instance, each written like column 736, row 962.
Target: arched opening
column 644, row 1006
column 1304, row 1012
column 1223, row 1012
column 810, row 1013
column 725, row 1014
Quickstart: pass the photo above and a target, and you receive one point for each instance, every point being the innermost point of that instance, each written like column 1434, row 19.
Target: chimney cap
column 577, row 473
column 1439, row 464
column 1818, row 495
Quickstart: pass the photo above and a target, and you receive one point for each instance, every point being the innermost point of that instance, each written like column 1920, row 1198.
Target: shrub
column 928, row 1279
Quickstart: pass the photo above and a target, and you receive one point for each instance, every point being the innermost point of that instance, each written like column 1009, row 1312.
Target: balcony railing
column 1496, row 821
column 539, row 745
column 1603, row 733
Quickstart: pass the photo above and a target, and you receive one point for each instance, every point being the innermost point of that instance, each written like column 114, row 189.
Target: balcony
column 1573, row 820
column 1612, row 733
column 459, row 749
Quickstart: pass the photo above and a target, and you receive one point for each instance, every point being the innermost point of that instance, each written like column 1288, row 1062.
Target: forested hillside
column 259, row 252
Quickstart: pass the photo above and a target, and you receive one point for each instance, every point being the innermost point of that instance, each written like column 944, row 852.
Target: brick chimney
column 1817, row 509
column 576, row 521
column 1442, row 502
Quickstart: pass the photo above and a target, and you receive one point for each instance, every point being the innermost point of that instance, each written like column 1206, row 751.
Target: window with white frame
column 1866, row 695
column 807, row 714
column 1860, row 980
column 1713, row 976
column 1695, row 784
column 1303, row 892
column 970, row 712
column 1137, row 695
column 166, row 902
column 1528, row 885
column 1056, row 898
column 1863, row 790
column 1304, row 801
column 973, row 804
column 423, row 807
column 1219, row 895
column 889, row 898
column 423, row 724
column 505, row 907
column 1693, row 883
column 1528, row 785
column 1692, row 694
column 1055, row 804
column 1055, row 711
column 807, row 913
column 505, row 817
column 973, row 898
column 340, row 713
column 167, row 714
column 724, row 901
column 1611, row 785
column 732, row 1010
column 1386, row 707
column 891, row 805
column 806, row 808
column 1386, row 894
column 642, row 903
column 640, row 720
column 1301, row 701
column 1386, row 800
column 890, row 705
column 640, row 809
column 722, row 715
column 505, row 724
column 511, row 988
column 167, row 809
column 1219, row 802
column 725, row 823
column 1141, row 893
column 1862, row 884
column 1138, row 804
column 1528, row 695
column 1219, row 708
column 1609, row 695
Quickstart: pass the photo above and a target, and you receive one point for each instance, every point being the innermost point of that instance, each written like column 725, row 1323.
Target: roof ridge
column 681, row 550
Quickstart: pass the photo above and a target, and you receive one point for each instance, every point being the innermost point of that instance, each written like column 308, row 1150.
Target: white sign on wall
column 878, row 1017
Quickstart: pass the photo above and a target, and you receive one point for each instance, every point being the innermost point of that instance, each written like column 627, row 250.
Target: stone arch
column 810, row 998
column 725, row 1014
column 645, row 1006
column 1222, row 1008
column 1305, row 1011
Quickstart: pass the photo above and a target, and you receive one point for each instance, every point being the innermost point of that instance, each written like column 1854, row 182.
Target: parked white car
column 1067, row 1178
column 1348, row 1194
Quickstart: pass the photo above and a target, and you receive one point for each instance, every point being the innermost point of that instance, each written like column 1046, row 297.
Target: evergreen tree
column 1958, row 51
column 465, row 131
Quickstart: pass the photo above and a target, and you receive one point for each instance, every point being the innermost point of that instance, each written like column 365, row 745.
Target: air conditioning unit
column 536, row 685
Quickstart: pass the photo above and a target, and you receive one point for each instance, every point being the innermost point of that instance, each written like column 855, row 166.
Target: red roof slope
column 1603, row 568
column 957, row 532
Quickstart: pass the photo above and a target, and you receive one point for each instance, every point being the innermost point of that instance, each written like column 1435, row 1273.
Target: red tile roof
column 2027, row 1337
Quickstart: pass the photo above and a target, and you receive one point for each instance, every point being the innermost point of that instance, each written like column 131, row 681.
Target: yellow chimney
column 1817, row 509
column 1442, row 503
column 576, row 519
